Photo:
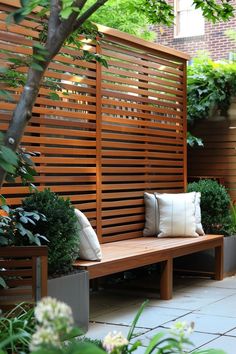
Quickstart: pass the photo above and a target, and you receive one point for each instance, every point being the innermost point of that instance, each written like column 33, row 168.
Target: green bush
column 215, row 202
column 210, row 84
column 61, row 228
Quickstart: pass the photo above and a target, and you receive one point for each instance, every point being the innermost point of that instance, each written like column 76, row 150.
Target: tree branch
column 54, row 18
column 89, row 12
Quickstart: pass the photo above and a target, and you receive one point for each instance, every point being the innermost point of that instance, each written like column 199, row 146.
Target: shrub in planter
column 215, row 202
column 61, row 229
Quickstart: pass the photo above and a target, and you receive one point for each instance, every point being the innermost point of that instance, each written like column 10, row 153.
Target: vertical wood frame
column 185, row 125
column 98, row 145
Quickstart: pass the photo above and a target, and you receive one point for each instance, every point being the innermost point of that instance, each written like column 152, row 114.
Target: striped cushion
column 177, row 215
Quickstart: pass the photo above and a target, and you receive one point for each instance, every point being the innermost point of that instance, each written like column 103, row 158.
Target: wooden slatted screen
column 217, row 158
column 114, row 132
column 24, row 270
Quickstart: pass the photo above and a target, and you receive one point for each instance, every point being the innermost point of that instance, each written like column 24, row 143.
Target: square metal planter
column 73, row 289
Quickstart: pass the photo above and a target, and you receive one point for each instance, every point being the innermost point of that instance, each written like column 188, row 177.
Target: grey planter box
column 73, row 289
column 204, row 261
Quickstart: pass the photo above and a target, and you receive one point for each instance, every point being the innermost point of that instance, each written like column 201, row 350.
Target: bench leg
column 166, row 282
column 219, row 262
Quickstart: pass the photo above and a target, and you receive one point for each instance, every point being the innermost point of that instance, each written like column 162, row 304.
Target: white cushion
column 199, row 228
column 177, row 215
column 89, row 246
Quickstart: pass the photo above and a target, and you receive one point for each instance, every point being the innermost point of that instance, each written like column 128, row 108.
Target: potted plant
column 62, row 231
column 217, row 218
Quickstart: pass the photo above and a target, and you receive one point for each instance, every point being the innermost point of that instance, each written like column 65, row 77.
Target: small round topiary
column 215, row 202
column 61, row 229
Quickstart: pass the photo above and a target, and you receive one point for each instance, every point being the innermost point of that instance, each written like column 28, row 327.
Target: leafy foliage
column 60, row 228
column 215, row 10
column 8, row 158
column 210, row 85
column 193, row 140
column 215, row 202
column 15, row 227
column 24, row 169
column 127, row 16
column 16, row 328
column 17, row 164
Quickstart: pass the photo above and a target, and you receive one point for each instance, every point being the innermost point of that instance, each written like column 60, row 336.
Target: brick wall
column 213, row 41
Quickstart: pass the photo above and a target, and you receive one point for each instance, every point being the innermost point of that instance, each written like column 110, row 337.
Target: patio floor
column 210, row 304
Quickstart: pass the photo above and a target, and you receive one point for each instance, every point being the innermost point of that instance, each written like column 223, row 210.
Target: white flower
column 114, row 340
column 50, row 311
column 182, row 328
column 46, row 336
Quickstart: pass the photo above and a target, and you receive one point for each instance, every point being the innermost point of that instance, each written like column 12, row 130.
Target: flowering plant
column 51, row 331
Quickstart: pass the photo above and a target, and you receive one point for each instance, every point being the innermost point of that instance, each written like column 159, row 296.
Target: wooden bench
column 137, row 252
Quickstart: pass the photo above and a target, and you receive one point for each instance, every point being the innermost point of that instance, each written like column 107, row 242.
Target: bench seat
column 137, row 252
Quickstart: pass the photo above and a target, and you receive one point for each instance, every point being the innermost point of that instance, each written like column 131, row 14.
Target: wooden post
column 219, row 262
column 185, row 177
column 44, row 275
column 166, row 281
column 99, row 147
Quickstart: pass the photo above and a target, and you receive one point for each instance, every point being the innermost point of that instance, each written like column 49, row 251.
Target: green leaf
column 6, row 166
column 3, row 283
column 9, row 156
column 24, row 3
column 36, row 66
column 23, row 219
column 5, row 207
column 154, row 342
column 4, row 241
column 2, row 200
column 18, row 17
column 54, row 96
column 75, row 332
column 38, row 57
column 6, row 95
column 134, row 323
column 66, row 12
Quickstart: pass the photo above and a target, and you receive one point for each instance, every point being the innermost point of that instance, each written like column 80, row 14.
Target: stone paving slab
column 208, row 323
column 150, row 318
column 225, row 307
column 228, row 344
column 210, row 304
column 100, row 330
column 197, row 338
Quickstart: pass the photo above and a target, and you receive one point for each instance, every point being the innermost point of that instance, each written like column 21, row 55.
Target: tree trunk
column 23, row 111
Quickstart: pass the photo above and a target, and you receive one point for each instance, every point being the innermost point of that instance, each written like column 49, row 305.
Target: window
column 189, row 21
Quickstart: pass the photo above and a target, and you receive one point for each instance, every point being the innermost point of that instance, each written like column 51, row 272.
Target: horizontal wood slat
column 217, row 158
column 23, row 269
column 112, row 133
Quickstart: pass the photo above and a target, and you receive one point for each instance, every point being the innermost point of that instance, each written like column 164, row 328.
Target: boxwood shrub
column 215, row 203
column 61, row 228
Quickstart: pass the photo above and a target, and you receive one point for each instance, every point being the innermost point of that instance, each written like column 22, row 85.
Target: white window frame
column 177, row 34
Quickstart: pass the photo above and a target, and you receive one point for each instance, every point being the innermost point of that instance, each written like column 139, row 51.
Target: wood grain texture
column 217, row 158
column 19, row 269
column 112, row 133
column 137, row 252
